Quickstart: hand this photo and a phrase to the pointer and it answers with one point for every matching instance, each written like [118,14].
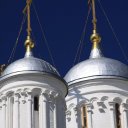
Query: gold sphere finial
[29,44]
[95,39]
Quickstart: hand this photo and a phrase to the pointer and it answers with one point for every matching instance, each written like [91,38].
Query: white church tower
[98,90]
[32,93]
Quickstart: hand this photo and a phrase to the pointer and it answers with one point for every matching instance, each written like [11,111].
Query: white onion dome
[30,63]
[96,66]
[30,70]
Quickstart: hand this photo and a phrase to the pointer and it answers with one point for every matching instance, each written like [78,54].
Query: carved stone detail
[89,107]
[124,106]
[112,105]
[68,115]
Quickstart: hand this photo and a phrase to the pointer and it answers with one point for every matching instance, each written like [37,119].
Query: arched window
[84,117]
[36,112]
[117,113]
[36,104]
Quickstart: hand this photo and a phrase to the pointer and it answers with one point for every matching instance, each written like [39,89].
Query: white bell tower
[98,90]
[32,99]
[32,93]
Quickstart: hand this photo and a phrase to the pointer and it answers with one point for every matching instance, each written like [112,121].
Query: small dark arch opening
[84,117]
[118,119]
[36,103]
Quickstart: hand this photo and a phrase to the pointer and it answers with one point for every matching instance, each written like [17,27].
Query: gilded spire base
[95,39]
[96,53]
[29,46]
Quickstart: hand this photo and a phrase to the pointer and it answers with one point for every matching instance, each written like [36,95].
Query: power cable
[113,31]
[83,35]
[17,40]
[35,42]
[80,46]
[43,33]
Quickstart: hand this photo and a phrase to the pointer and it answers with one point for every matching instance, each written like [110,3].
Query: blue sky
[63,22]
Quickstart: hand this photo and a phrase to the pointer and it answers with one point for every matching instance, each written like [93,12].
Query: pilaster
[29,109]
[112,114]
[4,105]
[89,115]
[16,112]
[43,110]
[124,114]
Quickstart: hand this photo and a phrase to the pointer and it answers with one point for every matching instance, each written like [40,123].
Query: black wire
[113,31]
[15,45]
[43,33]
[34,39]
[83,35]
[80,46]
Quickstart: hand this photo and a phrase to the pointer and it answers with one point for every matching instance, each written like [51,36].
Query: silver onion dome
[96,67]
[30,63]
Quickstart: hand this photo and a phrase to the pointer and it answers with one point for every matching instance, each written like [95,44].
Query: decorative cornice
[112,105]
[68,115]
[16,97]
[124,106]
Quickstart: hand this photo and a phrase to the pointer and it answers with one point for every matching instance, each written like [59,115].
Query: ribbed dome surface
[97,67]
[30,64]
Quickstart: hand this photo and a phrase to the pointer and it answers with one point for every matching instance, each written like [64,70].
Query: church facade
[93,94]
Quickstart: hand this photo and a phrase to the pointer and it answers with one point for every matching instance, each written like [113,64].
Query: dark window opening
[84,117]
[36,103]
[117,111]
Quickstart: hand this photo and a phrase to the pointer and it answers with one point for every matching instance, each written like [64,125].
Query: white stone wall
[99,96]
[17,103]
[19,112]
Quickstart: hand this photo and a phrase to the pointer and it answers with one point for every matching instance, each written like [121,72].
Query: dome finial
[28,43]
[95,37]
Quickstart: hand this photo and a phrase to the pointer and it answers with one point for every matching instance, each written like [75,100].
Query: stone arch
[93,99]
[72,105]
[36,91]
[27,90]
[9,93]
[83,102]
[18,91]
[125,101]
[117,100]
[104,98]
